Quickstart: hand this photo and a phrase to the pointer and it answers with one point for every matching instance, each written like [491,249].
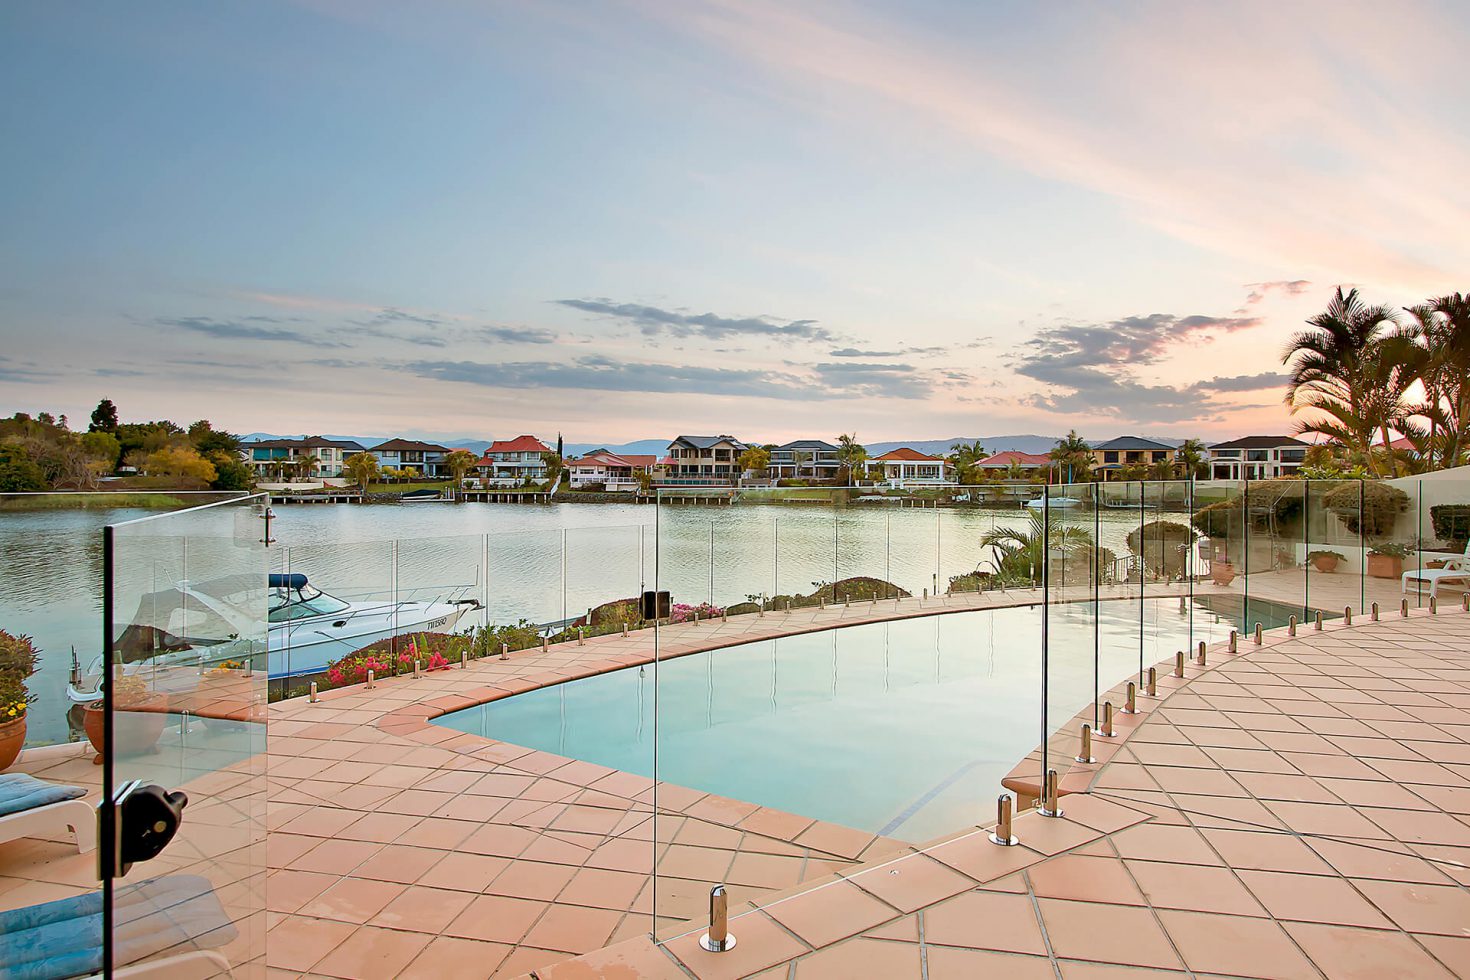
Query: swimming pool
[901,728]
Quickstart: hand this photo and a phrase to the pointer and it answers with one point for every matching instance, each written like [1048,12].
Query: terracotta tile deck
[401,848]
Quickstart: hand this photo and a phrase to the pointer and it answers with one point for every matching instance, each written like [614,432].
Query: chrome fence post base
[1085,755]
[1002,834]
[718,939]
[1152,690]
[1347,616]
[1291,626]
[1051,800]
[1373,612]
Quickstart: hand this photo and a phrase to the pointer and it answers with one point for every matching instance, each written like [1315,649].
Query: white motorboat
[200,624]
[1057,503]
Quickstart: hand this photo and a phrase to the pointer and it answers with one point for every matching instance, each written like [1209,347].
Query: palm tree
[306,465]
[1073,456]
[361,468]
[1161,469]
[851,455]
[1019,552]
[800,458]
[965,456]
[1442,326]
[554,466]
[1333,367]
[1192,457]
[459,462]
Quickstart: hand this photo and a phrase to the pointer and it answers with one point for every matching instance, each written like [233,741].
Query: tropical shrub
[1381,506]
[14,698]
[1163,547]
[1218,520]
[1451,523]
[17,656]
[682,613]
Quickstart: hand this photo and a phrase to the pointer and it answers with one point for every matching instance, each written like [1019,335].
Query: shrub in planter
[1218,520]
[1163,546]
[1387,560]
[1451,523]
[137,720]
[14,702]
[1325,561]
[17,655]
[1381,506]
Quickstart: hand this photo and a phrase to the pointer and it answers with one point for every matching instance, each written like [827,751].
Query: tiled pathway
[1299,810]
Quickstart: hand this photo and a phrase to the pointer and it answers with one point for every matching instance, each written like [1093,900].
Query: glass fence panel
[1441,566]
[527,575]
[1061,530]
[331,601]
[183,738]
[604,578]
[1335,553]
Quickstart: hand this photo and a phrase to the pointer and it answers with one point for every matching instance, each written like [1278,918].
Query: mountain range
[657,447]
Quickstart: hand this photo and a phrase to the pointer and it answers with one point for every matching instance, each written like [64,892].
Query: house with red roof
[1030,462]
[614,472]
[513,462]
[905,467]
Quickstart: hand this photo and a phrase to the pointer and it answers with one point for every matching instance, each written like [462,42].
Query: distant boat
[426,496]
[1058,503]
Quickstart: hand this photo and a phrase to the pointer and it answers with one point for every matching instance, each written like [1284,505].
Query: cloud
[854,352]
[517,335]
[653,320]
[14,371]
[1090,368]
[1243,382]
[1287,287]
[240,330]
[391,314]
[601,373]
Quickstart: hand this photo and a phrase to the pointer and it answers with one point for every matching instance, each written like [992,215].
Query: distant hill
[642,447]
[993,444]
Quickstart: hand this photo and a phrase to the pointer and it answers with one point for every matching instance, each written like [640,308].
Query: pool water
[902,728]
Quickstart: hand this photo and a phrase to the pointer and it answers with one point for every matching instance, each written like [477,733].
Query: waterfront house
[805,459]
[281,458]
[905,467]
[614,472]
[1257,458]
[701,461]
[1113,455]
[513,462]
[421,458]
[1029,463]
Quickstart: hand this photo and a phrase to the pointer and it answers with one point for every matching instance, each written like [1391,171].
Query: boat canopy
[293,581]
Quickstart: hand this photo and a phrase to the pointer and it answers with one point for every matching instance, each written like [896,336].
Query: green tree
[230,472]
[965,457]
[104,417]
[102,446]
[361,469]
[851,455]
[755,459]
[1193,460]
[180,465]
[208,440]
[460,462]
[1073,458]
[1442,327]
[555,466]
[18,472]
[1018,553]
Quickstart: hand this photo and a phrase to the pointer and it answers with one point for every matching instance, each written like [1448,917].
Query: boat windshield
[288,604]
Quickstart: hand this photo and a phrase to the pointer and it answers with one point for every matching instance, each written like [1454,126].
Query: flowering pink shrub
[353,668]
[682,613]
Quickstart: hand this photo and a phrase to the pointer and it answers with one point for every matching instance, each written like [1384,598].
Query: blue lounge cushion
[63,938]
[20,792]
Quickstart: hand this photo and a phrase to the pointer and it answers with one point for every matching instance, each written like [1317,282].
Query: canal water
[540,563]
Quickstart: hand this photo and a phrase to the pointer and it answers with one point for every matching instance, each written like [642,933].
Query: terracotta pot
[1434,564]
[1325,563]
[1222,572]
[12,737]
[136,727]
[1385,566]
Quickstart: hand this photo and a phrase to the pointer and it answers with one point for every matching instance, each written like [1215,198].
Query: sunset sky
[625,220]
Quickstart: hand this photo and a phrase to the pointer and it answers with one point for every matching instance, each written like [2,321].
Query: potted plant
[17,662]
[138,717]
[14,700]
[1387,560]
[1325,561]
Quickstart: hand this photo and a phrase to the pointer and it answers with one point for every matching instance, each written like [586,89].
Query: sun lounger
[1455,569]
[30,807]
[167,926]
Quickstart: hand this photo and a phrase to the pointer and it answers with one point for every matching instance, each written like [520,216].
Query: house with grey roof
[805,459]
[711,461]
[1257,458]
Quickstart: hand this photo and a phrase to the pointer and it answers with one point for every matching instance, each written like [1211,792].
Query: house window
[1110,456]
